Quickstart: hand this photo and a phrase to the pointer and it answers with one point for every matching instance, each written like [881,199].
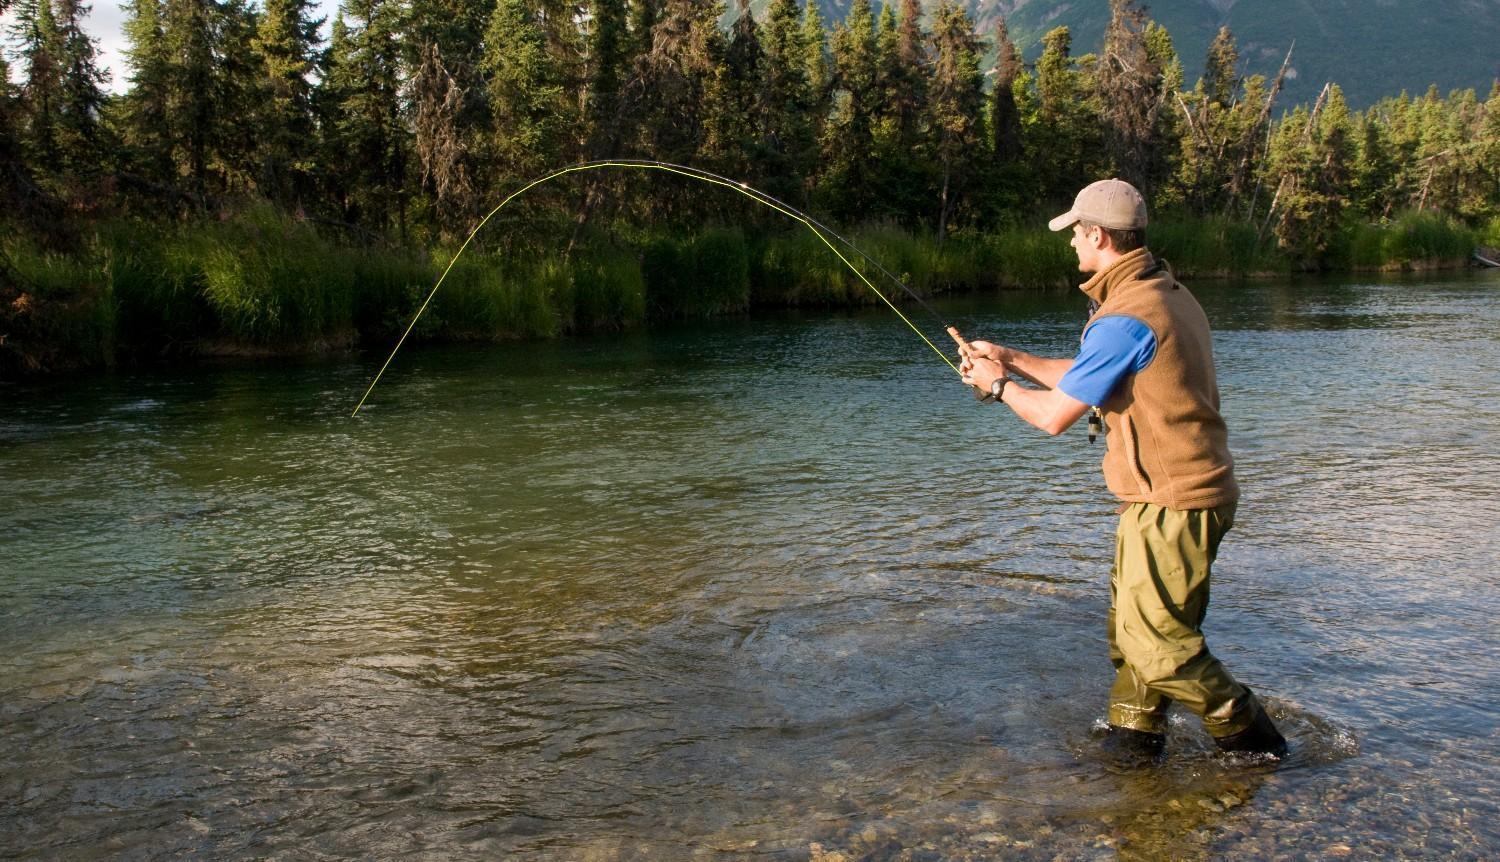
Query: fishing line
[820,230]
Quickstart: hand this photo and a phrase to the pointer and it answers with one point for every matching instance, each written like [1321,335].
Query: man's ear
[1103,243]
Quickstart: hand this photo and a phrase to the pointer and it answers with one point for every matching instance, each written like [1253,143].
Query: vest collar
[1123,270]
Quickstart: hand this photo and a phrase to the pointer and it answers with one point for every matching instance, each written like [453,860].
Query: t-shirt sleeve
[1114,347]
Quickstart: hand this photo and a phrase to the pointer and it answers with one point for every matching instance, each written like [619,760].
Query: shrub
[57,312]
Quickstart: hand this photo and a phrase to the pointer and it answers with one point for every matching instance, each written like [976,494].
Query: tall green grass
[696,276]
[271,280]
[57,312]
[1027,258]
[1214,246]
[262,279]
[1413,238]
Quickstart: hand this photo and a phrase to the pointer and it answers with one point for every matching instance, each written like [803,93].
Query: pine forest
[255,188]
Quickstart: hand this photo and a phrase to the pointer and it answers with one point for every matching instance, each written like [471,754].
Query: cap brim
[1064,221]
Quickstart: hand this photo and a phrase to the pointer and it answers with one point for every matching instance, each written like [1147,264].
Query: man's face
[1085,243]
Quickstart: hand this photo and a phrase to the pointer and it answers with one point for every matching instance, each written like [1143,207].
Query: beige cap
[1114,204]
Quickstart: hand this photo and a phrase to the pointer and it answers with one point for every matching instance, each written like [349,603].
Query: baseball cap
[1114,204]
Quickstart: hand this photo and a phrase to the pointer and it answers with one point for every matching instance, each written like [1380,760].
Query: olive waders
[1159,590]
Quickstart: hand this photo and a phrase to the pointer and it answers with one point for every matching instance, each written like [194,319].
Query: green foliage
[57,311]
[270,280]
[703,276]
[1414,238]
[1213,246]
[1028,257]
[238,136]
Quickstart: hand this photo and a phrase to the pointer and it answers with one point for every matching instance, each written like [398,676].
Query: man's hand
[981,373]
[980,350]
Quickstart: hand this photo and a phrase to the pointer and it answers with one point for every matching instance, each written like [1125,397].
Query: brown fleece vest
[1167,443]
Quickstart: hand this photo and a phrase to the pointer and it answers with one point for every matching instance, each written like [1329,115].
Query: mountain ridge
[1370,48]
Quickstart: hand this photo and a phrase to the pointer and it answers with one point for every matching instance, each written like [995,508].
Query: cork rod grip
[963,346]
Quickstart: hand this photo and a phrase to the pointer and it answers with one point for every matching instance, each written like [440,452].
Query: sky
[106,23]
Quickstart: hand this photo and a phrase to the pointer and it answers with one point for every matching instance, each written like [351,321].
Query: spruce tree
[790,144]
[40,50]
[288,44]
[238,94]
[818,70]
[1064,134]
[957,99]
[608,57]
[1130,96]
[145,125]
[1004,118]
[902,174]
[1221,82]
[1374,173]
[443,52]
[189,36]
[687,49]
[736,102]
[848,138]
[526,98]
[369,137]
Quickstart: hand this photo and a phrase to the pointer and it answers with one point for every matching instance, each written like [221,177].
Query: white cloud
[106,24]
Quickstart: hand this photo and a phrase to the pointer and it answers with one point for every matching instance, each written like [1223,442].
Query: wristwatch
[997,388]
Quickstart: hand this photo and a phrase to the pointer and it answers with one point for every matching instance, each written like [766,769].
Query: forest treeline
[250,170]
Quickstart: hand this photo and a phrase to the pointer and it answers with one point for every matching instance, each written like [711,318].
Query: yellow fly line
[680,170]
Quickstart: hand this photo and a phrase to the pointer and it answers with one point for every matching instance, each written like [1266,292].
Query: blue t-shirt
[1114,347]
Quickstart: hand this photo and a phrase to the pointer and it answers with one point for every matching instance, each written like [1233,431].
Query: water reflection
[731,590]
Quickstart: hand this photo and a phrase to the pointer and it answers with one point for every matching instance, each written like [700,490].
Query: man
[1146,364]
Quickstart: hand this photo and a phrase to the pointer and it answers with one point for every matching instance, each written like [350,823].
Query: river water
[774,588]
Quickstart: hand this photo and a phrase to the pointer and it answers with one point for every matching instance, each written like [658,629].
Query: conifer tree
[1004,118]
[287,43]
[1489,151]
[1311,156]
[789,141]
[1374,172]
[899,175]
[1130,96]
[1221,81]
[736,102]
[189,29]
[40,52]
[369,136]
[957,99]
[687,47]
[1168,127]
[848,138]
[818,70]
[145,125]
[1064,131]
[608,46]
[238,93]
[526,99]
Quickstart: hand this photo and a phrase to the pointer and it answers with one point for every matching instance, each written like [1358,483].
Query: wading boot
[1261,737]
[1132,749]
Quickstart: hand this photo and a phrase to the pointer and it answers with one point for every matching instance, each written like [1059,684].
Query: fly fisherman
[1146,364]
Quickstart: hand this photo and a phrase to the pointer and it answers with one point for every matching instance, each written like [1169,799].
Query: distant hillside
[1371,48]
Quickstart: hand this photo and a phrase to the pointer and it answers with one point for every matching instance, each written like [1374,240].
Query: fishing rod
[820,230]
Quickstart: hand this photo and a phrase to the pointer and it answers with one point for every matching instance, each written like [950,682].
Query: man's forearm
[1037,369]
[1051,410]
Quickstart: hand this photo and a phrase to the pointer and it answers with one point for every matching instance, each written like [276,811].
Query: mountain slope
[1371,48]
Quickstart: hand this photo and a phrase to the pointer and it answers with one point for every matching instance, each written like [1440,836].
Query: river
[770,588]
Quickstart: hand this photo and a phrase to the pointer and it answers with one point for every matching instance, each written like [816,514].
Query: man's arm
[1052,410]
[1038,369]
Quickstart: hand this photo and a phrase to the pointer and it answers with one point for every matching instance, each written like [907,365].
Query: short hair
[1122,241]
